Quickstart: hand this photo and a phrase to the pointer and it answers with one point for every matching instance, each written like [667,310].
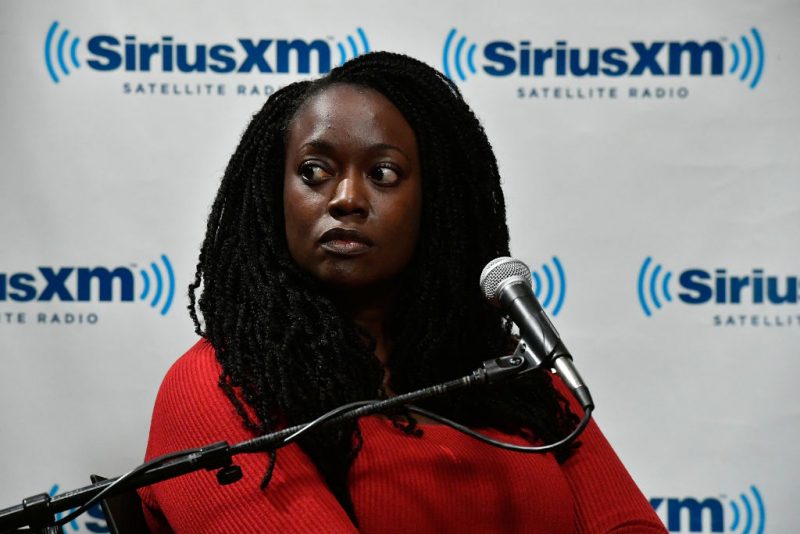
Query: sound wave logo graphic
[351,50]
[462,53]
[550,287]
[59,51]
[653,284]
[750,516]
[163,285]
[750,59]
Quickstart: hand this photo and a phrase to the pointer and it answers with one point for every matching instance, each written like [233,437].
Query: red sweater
[442,481]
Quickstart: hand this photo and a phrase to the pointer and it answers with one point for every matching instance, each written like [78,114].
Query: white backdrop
[694,165]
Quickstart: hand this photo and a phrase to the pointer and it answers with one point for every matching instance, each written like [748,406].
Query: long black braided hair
[285,348]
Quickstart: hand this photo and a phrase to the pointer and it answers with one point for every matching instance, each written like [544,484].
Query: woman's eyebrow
[387,146]
[327,146]
[319,144]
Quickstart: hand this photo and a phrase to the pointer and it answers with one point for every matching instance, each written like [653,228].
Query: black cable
[323,418]
[361,408]
[501,444]
[456,426]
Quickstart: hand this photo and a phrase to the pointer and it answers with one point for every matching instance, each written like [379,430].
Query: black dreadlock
[281,341]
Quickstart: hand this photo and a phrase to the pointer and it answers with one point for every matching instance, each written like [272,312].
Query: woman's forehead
[350,114]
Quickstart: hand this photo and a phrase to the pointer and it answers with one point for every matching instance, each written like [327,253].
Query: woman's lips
[345,242]
[345,248]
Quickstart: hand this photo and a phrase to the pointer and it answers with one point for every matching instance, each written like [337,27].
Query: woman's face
[352,192]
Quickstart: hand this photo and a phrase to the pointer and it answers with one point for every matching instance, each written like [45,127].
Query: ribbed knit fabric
[442,481]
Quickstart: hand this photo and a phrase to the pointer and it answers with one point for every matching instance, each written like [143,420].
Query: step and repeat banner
[651,162]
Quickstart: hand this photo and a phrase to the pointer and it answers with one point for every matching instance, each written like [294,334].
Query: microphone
[506,284]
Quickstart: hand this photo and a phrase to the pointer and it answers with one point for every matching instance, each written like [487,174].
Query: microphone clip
[520,361]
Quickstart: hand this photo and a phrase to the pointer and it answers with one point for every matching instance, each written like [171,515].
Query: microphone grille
[500,270]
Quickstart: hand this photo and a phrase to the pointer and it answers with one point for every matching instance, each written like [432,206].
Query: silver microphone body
[506,283]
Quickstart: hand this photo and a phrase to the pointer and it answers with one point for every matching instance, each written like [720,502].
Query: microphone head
[500,272]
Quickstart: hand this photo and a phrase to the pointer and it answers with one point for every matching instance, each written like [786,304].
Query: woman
[341,263]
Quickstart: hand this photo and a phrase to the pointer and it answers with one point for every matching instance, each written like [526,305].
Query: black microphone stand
[37,512]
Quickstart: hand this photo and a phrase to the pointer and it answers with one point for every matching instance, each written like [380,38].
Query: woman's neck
[369,309]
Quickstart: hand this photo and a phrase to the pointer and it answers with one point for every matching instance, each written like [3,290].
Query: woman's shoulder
[196,369]
[191,408]
[195,365]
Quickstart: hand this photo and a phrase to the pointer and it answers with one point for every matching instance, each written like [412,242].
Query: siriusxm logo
[656,58]
[105,52]
[654,287]
[550,286]
[92,284]
[745,515]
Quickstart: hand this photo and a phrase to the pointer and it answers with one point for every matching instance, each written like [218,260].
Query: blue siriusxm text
[657,58]
[720,287]
[68,284]
[109,53]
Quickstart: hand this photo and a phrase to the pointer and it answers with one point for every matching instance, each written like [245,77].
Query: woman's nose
[349,197]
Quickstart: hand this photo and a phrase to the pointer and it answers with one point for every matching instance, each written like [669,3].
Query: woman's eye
[385,175]
[313,173]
